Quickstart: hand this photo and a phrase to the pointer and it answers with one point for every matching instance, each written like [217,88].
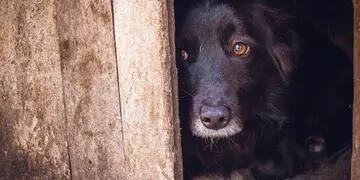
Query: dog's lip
[217,135]
[199,130]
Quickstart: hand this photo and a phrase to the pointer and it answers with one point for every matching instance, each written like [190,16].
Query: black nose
[214,117]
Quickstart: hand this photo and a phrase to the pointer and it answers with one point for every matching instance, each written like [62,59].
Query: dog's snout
[215,117]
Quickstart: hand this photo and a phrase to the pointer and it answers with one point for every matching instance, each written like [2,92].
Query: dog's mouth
[232,128]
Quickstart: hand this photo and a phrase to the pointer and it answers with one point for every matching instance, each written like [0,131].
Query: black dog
[253,88]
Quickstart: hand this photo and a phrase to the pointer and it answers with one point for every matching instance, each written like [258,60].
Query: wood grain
[355,170]
[91,94]
[33,142]
[144,32]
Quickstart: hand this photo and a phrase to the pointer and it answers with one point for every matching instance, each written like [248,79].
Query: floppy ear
[283,55]
[279,37]
[281,40]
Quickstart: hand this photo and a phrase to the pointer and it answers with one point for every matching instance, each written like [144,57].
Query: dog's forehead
[205,21]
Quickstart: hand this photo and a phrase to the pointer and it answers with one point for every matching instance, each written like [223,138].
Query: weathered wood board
[88,63]
[355,169]
[147,77]
[33,142]
[59,98]
[60,114]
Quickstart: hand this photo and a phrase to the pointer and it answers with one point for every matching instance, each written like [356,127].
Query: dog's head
[230,55]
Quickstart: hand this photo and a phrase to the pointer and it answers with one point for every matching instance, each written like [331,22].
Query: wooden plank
[355,170]
[144,32]
[91,93]
[178,167]
[32,123]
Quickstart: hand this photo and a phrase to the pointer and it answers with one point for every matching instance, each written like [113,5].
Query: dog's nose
[214,117]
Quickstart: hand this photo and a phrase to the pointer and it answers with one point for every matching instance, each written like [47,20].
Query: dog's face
[227,58]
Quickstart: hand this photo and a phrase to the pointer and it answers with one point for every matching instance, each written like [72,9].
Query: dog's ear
[280,38]
[283,52]
[281,41]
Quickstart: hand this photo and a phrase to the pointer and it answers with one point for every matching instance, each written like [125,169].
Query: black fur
[293,85]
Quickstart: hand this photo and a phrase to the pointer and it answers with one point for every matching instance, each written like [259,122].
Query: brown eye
[240,49]
[184,55]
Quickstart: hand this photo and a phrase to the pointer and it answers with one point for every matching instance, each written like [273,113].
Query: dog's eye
[240,49]
[184,55]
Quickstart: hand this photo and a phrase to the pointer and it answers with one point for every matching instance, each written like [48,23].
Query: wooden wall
[33,132]
[147,79]
[355,170]
[62,86]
